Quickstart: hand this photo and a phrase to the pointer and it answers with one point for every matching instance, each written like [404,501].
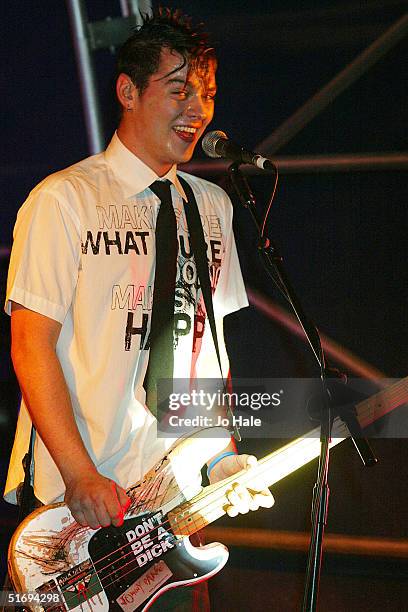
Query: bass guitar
[60,565]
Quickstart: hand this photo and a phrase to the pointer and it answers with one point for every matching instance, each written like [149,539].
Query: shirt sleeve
[230,294]
[45,257]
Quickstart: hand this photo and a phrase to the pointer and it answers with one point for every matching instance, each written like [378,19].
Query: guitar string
[195,507]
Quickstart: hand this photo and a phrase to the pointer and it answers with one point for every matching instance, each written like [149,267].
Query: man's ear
[125,91]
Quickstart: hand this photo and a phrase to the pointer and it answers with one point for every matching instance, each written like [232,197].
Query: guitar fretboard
[210,504]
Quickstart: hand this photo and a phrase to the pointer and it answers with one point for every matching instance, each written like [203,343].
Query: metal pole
[337,352]
[337,85]
[93,120]
[124,8]
[136,8]
[344,162]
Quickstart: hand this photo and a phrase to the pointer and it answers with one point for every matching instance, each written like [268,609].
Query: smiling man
[82,287]
[164,119]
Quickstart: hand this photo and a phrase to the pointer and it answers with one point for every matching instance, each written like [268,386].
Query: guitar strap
[199,248]
[25,492]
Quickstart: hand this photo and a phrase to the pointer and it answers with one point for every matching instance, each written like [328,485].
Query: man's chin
[181,157]
[186,157]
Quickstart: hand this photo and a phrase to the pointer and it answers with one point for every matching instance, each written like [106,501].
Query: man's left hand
[242,498]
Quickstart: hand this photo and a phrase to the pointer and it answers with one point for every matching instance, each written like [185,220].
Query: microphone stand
[273,263]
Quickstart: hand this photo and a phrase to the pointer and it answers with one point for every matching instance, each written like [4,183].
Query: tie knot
[162,190]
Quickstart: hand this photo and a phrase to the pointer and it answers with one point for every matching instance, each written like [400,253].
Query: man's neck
[130,143]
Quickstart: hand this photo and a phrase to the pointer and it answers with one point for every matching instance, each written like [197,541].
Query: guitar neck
[209,505]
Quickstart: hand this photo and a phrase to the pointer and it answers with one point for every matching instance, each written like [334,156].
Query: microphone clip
[241,186]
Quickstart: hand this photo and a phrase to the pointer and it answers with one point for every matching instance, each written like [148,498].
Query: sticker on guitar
[80,584]
[143,546]
[144,587]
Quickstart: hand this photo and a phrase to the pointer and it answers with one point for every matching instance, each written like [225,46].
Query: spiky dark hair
[139,57]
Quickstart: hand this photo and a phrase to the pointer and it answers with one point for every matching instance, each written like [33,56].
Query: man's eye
[182,94]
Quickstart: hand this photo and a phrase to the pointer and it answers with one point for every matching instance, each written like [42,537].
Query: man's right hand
[96,501]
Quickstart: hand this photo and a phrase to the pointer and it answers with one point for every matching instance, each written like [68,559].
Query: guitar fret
[190,524]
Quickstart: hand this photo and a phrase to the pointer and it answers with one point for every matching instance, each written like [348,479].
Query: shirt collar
[134,175]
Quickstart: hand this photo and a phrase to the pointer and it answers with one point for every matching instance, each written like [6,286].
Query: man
[81,283]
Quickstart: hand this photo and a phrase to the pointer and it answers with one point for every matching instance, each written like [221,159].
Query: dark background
[343,237]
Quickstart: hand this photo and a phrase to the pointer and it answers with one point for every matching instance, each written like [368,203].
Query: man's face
[172,113]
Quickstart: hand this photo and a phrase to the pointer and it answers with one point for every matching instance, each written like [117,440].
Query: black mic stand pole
[274,264]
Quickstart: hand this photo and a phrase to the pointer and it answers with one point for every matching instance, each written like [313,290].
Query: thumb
[250,461]
[235,463]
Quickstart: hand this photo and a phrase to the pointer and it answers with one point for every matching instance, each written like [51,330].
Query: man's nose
[196,108]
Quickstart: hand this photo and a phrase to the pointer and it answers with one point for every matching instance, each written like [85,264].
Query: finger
[121,505]
[79,516]
[77,512]
[239,497]
[264,499]
[124,502]
[111,503]
[118,520]
[91,518]
[102,515]
[253,504]
[248,500]
[231,511]
[258,482]
[239,494]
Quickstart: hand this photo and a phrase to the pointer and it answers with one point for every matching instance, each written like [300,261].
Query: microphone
[217,144]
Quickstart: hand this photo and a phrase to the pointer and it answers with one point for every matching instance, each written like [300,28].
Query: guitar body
[120,568]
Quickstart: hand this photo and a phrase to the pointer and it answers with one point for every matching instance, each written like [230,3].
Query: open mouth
[185,132]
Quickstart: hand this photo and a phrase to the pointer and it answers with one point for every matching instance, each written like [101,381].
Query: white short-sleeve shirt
[84,255]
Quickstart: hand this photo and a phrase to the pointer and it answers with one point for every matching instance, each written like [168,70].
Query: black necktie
[161,358]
